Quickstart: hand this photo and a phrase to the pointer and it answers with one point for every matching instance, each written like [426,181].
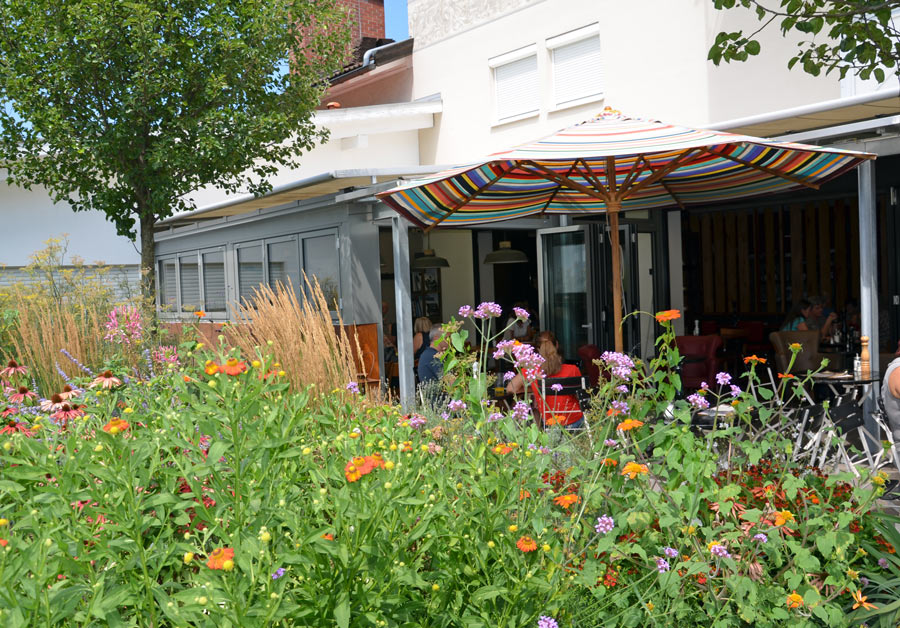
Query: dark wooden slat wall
[761,261]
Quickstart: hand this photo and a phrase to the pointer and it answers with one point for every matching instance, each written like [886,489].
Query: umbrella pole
[612,209]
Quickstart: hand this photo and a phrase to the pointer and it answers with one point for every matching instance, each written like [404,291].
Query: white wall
[29,218]
[654,61]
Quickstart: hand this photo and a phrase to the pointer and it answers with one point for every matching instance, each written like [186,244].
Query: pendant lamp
[429,259]
[505,254]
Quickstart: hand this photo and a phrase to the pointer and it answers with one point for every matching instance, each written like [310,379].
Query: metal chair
[549,404]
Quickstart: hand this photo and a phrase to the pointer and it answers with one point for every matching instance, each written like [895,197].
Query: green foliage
[848,36]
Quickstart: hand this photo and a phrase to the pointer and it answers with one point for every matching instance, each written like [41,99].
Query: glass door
[565,294]
[630,295]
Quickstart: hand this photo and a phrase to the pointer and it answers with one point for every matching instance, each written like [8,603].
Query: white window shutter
[214,281]
[516,88]
[577,71]
[189,273]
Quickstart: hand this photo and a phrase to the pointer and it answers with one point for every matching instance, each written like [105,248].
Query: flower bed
[214,495]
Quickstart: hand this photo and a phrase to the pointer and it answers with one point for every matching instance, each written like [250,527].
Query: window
[168,294]
[284,264]
[250,270]
[189,280]
[214,281]
[576,66]
[321,262]
[516,88]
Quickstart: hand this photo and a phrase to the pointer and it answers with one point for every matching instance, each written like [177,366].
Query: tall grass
[302,335]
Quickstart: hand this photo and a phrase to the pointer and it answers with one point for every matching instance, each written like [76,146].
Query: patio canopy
[614,163]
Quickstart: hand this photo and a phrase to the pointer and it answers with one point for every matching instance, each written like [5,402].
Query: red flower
[233,366]
[526,544]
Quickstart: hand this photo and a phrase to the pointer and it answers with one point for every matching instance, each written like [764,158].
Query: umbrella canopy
[614,163]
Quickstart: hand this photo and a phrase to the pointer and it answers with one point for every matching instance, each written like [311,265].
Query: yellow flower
[879,478]
[795,346]
[128,410]
[794,600]
[852,574]
[513,527]
[861,601]
[188,557]
[4,523]
[265,537]
[650,606]
[228,565]
[545,547]
[255,364]
[490,544]
[633,469]
[435,587]
[782,517]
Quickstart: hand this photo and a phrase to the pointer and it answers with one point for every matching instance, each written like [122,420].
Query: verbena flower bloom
[494,416]
[604,525]
[883,563]
[521,411]
[508,375]
[352,387]
[278,573]
[762,538]
[698,401]
[521,313]
[735,390]
[704,386]
[620,364]
[417,420]
[488,309]
[465,311]
[547,622]
[456,405]
[556,387]
[671,552]
[622,388]
[621,406]
[609,442]
[662,565]
[723,379]
[717,549]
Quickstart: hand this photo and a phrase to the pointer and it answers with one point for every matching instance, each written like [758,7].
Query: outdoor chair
[589,353]
[700,359]
[571,386]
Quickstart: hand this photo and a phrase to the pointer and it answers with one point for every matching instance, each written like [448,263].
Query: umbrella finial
[609,112]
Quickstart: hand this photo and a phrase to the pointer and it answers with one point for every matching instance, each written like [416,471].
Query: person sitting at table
[518,329]
[430,367]
[564,406]
[421,327]
[803,318]
[890,395]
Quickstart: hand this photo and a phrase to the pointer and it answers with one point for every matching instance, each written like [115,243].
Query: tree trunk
[148,267]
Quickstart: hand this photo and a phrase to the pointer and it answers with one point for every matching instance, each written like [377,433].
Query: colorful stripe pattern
[511,184]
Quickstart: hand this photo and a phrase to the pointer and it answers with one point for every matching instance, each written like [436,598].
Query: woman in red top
[555,409]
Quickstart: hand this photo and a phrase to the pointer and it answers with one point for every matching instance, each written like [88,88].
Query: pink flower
[21,394]
[106,380]
[13,368]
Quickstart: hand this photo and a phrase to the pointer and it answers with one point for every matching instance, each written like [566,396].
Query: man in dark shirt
[430,367]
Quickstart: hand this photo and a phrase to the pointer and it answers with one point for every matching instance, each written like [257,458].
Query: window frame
[504,60]
[568,39]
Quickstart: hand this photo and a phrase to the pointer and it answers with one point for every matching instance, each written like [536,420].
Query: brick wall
[367,17]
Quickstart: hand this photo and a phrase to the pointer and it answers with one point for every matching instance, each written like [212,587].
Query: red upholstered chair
[755,343]
[587,354]
[700,361]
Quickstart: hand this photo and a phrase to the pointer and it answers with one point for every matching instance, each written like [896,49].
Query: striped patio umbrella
[614,163]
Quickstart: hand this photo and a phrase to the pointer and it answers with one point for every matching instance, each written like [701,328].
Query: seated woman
[802,318]
[556,409]
[421,327]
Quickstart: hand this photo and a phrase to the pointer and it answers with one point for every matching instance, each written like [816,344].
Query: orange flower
[115,426]
[187,380]
[523,494]
[406,445]
[556,419]
[219,556]
[526,544]
[613,412]
[502,449]
[861,601]
[211,367]
[785,376]
[795,346]
[794,600]
[328,536]
[782,517]
[567,500]
[632,469]
[629,424]
[199,313]
[376,461]
[352,472]
[754,358]
[610,462]
[233,367]
[668,315]
[3,542]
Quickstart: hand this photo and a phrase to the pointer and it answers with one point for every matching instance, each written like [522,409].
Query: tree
[851,36]
[129,106]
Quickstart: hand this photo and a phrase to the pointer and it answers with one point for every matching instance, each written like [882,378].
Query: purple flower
[717,549]
[864,581]
[704,386]
[622,388]
[494,416]
[671,552]
[521,313]
[662,565]
[547,622]
[735,390]
[762,538]
[457,405]
[508,375]
[883,563]
[417,420]
[556,387]
[621,406]
[620,364]
[698,401]
[278,573]
[521,411]
[610,442]
[465,311]
[488,309]
[352,387]
[544,450]
[605,524]
[723,379]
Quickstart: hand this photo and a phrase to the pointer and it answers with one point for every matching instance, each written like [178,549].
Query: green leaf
[753,47]
[342,611]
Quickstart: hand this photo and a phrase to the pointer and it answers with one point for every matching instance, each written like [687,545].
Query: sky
[395,26]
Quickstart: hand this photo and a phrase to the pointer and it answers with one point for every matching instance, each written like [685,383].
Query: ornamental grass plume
[303,337]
